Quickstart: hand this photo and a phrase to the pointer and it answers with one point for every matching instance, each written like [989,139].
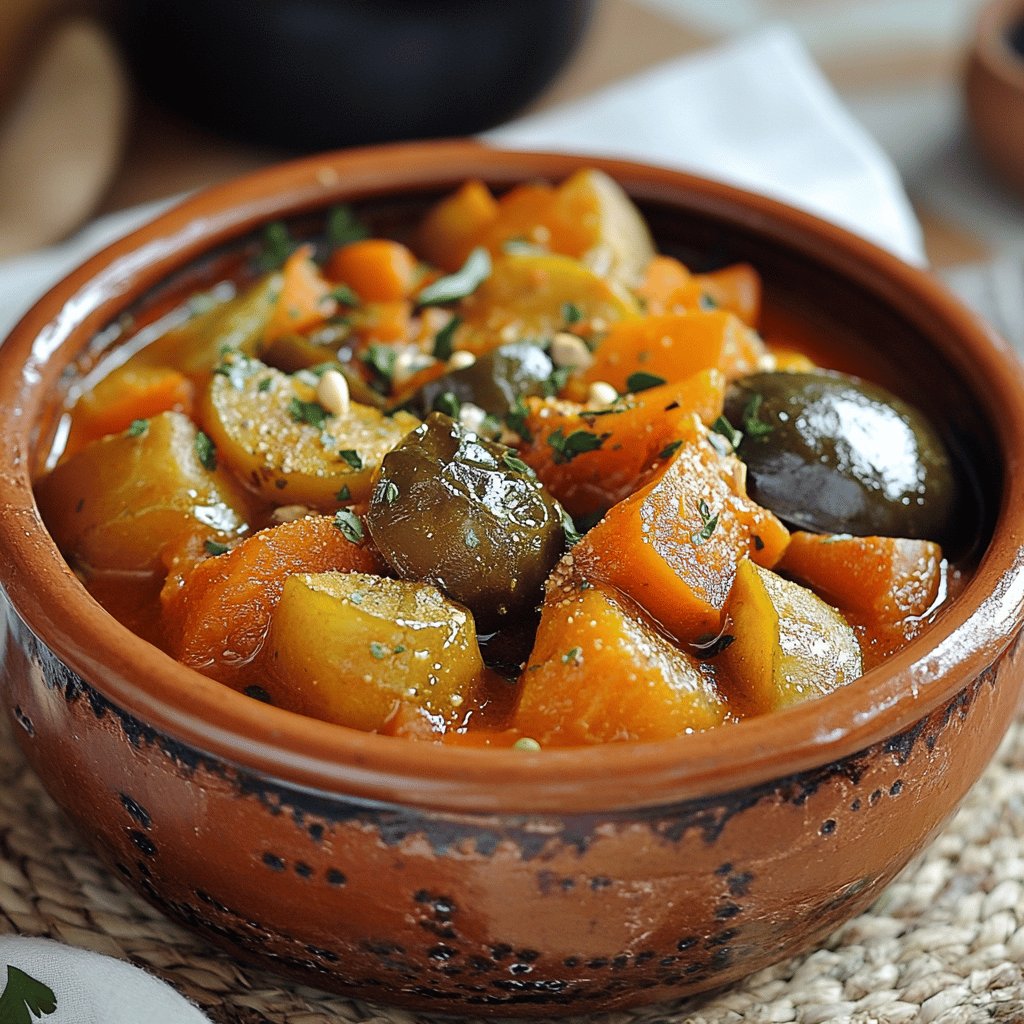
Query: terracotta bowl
[994,88]
[504,882]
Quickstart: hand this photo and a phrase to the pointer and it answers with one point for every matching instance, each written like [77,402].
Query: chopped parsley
[138,428]
[641,381]
[723,428]
[566,448]
[753,425]
[24,998]
[379,650]
[516,464]
[515,419]
[670,449]
[214,547]
[206,451]
[312,413]
[572,535]
[343,227]
[389,492]
[345,296]
[571,313]
[447,403]
[708,523]
[554,384]
[381,361]
[265,384]
[573,656]
[348,522]
[463,282]
[277,246]
[444,340]
[353,458]
[257,693]
[344,494]
[706,301]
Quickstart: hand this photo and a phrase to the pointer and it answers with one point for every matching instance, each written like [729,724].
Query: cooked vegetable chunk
[272,430]
[351,648]
[467,515]
[600,673]
[673,545]
[788,645]
[833,454]
[883,585]
[216,615]
[526,297]
[121,501]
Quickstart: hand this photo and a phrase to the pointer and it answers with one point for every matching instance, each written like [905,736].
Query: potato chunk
[352,649]
[121,501]
[270,429]
[788,645]
[599,673]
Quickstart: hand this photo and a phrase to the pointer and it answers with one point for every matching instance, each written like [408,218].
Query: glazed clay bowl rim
[150,686]
[992,47]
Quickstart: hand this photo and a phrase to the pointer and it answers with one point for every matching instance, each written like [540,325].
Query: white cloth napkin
[756,113]
[87,988]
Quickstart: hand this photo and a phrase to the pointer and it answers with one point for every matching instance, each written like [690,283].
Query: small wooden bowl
[995,89]
[499,881]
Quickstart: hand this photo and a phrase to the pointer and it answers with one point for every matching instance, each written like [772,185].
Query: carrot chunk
[304,301]
[376,269]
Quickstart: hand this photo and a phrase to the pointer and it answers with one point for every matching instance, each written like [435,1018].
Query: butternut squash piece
[885,586]
[673,546]
[788,645]
[673,346]
[453,227]
[376,269]
[217,612]
[352,649]
[121,501]
[526,297]
[630,437]
[305,299]
[599,673]
[132,392]
[271,430]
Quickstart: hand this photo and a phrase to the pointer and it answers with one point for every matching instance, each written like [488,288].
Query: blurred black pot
[319,74]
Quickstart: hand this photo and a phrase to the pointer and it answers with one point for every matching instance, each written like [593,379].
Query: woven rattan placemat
[943,945]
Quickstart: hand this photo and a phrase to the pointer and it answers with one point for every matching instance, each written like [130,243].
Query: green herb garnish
[463,282]
[670,449]
[516,464]
[344,295]
[344,494]
[753,425]
[265,384]
[352,457]
[381,361]
[572,656]
[278,245]
[378,650]
[723,428]
[447,403]
[389,492]
[708,523]
[206,451]
[443,340]
[343,227]
[515,419]
[138,428]
[348,522]
[571,313]
[641,381]
[554,384]
[566,448]
[312,413]
[214,547]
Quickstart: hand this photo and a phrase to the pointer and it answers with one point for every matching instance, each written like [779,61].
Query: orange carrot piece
[673,346]
[599,673]
[304,301]
[377,269]
[216,615]
[454,226]
[383,321]
[673,546]
[634,434]
[132,392]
